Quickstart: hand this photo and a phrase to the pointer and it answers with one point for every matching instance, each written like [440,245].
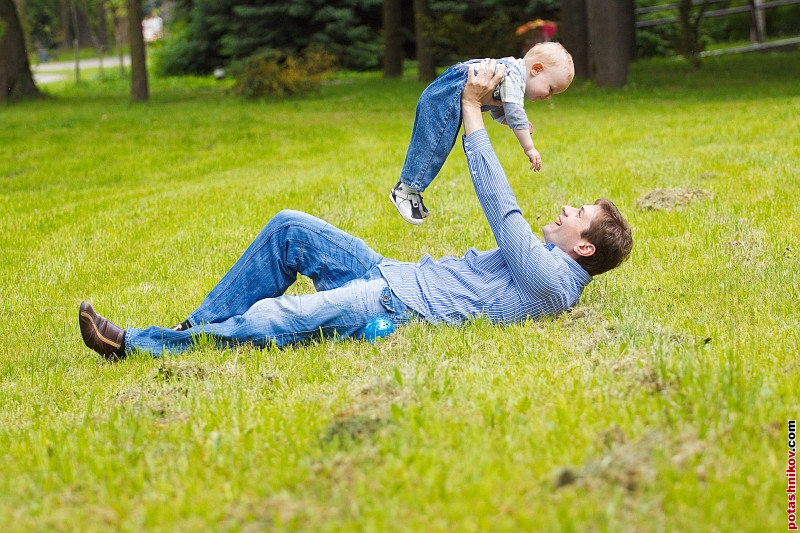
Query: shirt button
[385,299]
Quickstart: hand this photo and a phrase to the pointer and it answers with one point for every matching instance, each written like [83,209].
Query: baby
[546,69]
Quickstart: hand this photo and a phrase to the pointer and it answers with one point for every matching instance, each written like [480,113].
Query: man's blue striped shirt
[521,278]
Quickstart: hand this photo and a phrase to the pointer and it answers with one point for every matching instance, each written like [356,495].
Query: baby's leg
[436,125]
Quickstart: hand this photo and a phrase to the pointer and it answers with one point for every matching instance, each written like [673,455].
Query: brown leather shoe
[101,335]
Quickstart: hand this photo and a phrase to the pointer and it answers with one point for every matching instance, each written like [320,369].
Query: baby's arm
[524,138]
[517,120]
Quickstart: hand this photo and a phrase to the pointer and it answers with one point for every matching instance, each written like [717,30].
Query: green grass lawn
[659,403]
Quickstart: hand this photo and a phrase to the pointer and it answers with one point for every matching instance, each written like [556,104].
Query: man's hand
[481,83]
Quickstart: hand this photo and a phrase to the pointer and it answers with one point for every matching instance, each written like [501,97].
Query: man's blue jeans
[436,126]
[248,305]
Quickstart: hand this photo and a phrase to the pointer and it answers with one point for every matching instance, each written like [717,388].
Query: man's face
[565,231]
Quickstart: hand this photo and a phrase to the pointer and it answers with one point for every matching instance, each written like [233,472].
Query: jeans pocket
[398,311]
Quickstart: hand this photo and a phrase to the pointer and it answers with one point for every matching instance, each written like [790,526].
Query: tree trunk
[76,45]
[102,26]
[611,34]
[73,20]
[16,80]
[574,34]
[64,36]
[690,31]
[139,88]
[425,63]
[84,26]
[392,43]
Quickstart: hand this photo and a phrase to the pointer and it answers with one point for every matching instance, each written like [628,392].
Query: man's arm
[533,267]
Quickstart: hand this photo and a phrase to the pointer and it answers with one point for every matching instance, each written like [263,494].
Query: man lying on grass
[521,278]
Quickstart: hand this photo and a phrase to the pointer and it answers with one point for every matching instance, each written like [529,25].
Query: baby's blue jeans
[436,126]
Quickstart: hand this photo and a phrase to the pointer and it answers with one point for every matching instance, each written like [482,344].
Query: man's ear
[584,249]
[536,68]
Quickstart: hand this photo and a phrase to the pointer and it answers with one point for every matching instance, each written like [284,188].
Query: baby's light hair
[552,54]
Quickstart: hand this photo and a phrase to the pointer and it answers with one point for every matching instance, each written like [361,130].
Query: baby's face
[544,82]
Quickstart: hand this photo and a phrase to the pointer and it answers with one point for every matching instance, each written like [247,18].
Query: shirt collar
[584,278]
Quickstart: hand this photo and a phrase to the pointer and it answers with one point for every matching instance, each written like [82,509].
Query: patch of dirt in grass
[176,370]
[747,247]
[160,397]
[180,370]
[280,510]
[369,411]
[173,380]
[638,371]
[590,329]
[685,339]
[157,401]
[170,370]
[356,427]
[775,429]
[672,198]
[630,464]
[58,512]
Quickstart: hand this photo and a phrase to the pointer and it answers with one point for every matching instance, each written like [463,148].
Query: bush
[783,21]
[366,55]
[273,74]
[180,54]
[652,44]
[454,38]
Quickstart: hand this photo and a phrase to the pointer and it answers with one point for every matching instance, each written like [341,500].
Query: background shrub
[272,74]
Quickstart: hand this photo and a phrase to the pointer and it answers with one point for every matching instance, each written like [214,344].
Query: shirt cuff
[477,141]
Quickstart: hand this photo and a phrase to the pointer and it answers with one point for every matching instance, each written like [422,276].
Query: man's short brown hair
[612,239]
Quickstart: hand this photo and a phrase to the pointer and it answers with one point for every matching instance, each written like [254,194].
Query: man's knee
[297,223]
[287,216]
[291,218]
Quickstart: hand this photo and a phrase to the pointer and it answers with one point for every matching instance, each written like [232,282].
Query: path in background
[46,72]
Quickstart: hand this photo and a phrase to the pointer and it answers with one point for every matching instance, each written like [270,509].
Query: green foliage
[479,11]
[217,32]
[179,55]
[39,20]
[653,43]
[273,75]
[658,404]
[214,32]
[456,39]
[665,40]
[784,21]
[192,45]
[462,30]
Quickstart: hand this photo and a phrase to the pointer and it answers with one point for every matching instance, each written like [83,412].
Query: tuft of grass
[659,403]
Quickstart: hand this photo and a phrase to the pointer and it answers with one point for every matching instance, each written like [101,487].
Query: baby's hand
[534,158]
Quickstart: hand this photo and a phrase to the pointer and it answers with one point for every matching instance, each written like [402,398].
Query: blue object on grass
[378,328]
